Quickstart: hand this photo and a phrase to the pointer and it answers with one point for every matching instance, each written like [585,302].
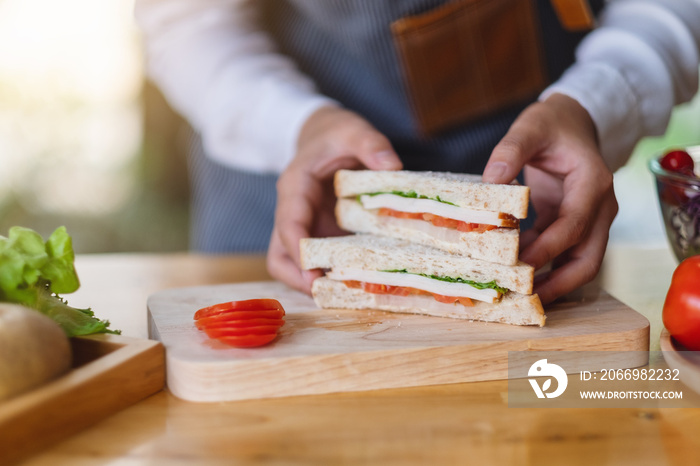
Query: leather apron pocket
[469,59]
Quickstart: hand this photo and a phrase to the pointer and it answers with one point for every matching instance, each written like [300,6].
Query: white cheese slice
[458,290]
[429,206]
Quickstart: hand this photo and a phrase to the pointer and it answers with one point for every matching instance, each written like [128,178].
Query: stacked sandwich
[440,244]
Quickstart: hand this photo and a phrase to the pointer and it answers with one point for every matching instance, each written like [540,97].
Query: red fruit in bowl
[673,195]
[678,161]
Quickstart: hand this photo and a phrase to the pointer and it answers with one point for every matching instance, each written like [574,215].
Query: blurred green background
[87,142]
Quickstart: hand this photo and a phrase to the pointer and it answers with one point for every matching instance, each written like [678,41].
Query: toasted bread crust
[461,189]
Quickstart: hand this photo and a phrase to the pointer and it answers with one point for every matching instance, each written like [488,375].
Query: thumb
[376,153]
[509,156]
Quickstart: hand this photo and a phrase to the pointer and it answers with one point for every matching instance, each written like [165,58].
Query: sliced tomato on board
[243,324]
[245,305]
[248,341]
[240,323]
[242,316]
[218,332]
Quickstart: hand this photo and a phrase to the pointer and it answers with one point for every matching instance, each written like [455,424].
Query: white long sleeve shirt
[225,76]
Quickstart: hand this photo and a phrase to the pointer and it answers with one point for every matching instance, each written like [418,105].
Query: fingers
[582,262]
[545,198]
[364,146]
[376,153]
[283,268]
[528,237]
[298,197]
[555,142]
[583,194]
[332,139]
[513,151]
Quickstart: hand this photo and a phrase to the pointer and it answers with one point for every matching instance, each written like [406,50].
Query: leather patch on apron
[468,59]
[574,15]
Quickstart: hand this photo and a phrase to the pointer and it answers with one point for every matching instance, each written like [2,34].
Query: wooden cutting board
[333,350]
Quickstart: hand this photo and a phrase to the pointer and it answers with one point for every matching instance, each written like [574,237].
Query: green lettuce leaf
[479,285]
[409,194]
[33,272]
[59,271]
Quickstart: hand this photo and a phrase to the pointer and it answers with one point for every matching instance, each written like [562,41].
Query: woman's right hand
[331,139]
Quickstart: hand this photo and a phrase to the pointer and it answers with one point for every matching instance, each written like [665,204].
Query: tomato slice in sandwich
[439,221]
[376,288]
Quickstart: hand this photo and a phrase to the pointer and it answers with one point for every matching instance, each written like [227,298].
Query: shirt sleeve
[223,74]
[631,70]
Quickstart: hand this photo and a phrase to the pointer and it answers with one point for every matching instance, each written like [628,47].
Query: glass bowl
[679,199]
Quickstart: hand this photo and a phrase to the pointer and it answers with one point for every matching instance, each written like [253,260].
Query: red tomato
[673,195]
[398,214]
[443,222]
[405,291]
[237,323]
[239,315]
[451,300]
[465,302]
[678,161]
[477,227]
[681,312]
[248,341]
[245,305]
[438,221]
[244,324]
[385,289]
[214,332]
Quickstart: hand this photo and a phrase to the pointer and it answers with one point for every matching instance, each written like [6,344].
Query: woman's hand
[571,189]
[331,139]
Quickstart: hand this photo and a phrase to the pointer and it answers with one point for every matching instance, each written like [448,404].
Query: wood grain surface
[463,423]
[336,350]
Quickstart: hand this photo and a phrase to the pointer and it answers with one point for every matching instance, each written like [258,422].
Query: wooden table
[451,424]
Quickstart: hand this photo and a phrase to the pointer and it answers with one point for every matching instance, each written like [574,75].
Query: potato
[33,350]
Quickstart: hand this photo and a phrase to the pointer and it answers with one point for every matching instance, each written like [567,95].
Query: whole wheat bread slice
[514,308]
[500,245]
[461,189]
[372,252]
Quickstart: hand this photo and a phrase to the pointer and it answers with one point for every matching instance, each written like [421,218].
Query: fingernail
[385,159]
[495,171]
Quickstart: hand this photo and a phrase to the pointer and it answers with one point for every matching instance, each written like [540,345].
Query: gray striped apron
[347,48]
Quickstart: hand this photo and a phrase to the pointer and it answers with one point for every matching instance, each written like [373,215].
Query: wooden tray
[110,373]
[329,350]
